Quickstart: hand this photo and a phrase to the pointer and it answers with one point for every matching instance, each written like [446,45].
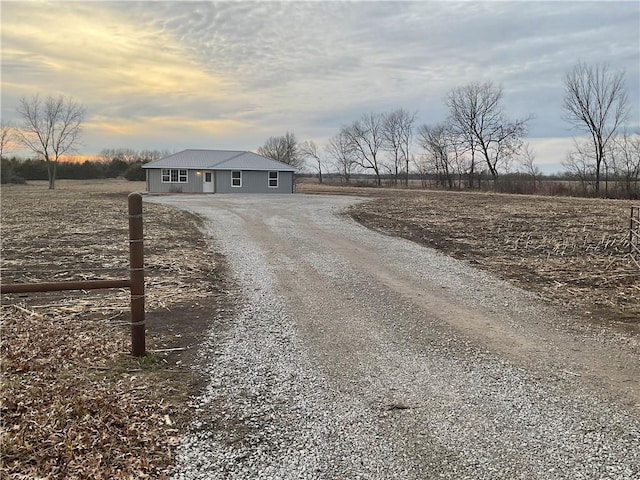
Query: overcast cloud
[175,75]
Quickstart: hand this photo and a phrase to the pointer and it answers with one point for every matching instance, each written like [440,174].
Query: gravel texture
[352,354]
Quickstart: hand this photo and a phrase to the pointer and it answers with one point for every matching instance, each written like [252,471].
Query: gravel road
[352,354]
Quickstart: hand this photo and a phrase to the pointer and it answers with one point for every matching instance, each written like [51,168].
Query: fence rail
[135,282]
[66,285]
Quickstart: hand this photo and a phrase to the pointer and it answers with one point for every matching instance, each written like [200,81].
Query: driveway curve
[352,354]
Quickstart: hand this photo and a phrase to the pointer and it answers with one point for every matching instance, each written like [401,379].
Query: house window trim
[182,175]
[269,178]
[238,178]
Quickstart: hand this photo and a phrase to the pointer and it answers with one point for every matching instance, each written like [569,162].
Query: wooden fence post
[136,265]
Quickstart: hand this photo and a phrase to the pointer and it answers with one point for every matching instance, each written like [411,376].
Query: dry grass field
[75,404]
[572,251]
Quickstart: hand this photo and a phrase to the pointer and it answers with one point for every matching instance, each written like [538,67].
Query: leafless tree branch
[366,139]
[477,117]
[50,128]
[596,103]
[284,149]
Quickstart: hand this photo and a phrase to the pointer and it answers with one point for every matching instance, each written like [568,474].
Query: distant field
[573,251]
[519,184]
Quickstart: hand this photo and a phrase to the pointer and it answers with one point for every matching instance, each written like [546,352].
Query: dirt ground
[572,251]
[75,404]
[341,325]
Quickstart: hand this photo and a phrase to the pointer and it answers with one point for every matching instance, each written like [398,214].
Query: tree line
[479,141]
[111,163]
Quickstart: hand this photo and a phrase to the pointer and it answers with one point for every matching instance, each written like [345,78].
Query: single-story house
[218,171]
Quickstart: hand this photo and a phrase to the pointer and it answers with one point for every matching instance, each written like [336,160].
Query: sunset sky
[228,75]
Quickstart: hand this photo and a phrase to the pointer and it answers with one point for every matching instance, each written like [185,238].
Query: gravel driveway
[352,354]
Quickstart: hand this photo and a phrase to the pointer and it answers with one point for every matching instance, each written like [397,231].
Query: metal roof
[219,160]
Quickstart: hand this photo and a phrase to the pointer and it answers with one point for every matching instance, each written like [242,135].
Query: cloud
[551,152]
[163,126]
[97,54]
[243,71]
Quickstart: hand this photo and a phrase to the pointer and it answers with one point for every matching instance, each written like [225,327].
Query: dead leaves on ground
[74,403]
[64,418]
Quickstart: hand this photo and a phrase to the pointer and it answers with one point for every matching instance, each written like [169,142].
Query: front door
[207,182]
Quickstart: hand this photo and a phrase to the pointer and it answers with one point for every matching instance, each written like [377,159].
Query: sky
[228,75]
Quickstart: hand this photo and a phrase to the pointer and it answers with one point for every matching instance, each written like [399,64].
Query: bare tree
[309,150]
[424,167]
[397,130]
[580,163]
[461,104]
[477,117]
[6,136]
[284,149]
[436,141]
[126,155]
[341,150]
[459,161]
[50,128]
[129,155]
[625,160]
[527,162]
[366,138]
[595,102]
[152,155]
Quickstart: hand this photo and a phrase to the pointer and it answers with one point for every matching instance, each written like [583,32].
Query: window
[174,176]
[236,179]
[273,179]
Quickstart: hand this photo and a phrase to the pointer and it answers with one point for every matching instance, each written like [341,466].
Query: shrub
[8,173]
[135,172]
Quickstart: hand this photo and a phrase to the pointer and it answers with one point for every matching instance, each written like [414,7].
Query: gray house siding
[156,185]
[185,172]
[254,182]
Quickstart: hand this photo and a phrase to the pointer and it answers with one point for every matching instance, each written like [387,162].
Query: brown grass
[75,404]
[573,251]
